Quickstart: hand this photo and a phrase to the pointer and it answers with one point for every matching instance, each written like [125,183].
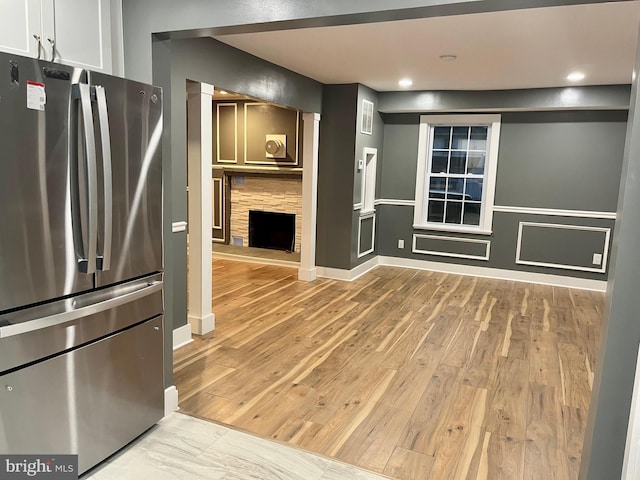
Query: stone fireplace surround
[272,194]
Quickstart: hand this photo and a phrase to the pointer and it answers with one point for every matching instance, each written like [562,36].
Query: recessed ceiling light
[448,57]
[405,82]
[575,76]
[222,92]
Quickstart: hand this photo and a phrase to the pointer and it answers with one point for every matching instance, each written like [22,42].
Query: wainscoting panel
[451,246]
[567,247]
[366,234]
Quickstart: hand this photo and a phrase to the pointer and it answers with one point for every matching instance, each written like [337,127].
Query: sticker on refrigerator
[36,96]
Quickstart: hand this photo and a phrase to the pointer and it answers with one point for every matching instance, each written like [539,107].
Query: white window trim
[428,121]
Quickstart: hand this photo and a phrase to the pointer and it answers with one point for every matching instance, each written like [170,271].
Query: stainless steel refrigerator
[81,305]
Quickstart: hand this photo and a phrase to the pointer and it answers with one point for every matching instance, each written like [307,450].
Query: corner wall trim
[182,336]
[555,212]
[170,400]
[201,326]
[307,274]
[348,275]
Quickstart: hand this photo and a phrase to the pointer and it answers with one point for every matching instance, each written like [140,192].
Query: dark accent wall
[568,160]
[612,394]
[569,98]
[260,119]
[557,160]
[364,140]
[206,60]
[335,176]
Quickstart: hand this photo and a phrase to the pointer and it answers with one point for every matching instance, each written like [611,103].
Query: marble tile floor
[182,447]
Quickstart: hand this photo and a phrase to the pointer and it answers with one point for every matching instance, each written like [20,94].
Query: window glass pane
[458,162]
[435,211]
[441,137]
[460,138]
[437,187]
[439,162]
[455,188]
[454,212]
[471,213]
[478,138]
[473,189]
[475,163]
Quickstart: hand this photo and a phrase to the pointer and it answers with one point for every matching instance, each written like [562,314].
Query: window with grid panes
[456,172]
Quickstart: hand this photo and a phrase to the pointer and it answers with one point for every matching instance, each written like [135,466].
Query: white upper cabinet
[21,27]
[73,32]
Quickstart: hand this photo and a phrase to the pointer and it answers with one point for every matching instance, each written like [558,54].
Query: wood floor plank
[414,374]
[507,411]
[482,367]
[574,421]
[544,359]
[500,458]
[544,449]
[430,414]
[375,439]
[408,465]
[462,434]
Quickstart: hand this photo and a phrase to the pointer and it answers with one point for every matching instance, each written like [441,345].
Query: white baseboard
[459,269]
[348,275]
[307,274]
[200,326]
[262,261]
[170,400]
[499,274]
[182,336]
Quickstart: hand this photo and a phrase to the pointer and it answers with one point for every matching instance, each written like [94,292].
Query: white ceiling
[503,50]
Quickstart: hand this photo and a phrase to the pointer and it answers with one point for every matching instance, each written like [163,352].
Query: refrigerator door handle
[59,318]
[87,260]
[104,260]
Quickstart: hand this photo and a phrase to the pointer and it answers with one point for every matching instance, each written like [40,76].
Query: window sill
[452,228]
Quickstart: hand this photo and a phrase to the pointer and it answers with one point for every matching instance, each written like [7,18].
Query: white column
[311,134]
[199,158]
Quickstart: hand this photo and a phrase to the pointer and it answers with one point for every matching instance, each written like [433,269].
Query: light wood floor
[413,374]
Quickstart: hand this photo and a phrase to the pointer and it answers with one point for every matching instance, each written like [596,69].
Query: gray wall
[568,160]
[142,18]
[605,439]
[259,120]
[336,176]
[364,140]
[558,160]
[175,62]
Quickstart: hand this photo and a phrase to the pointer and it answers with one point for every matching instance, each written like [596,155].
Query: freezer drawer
[91,401]
[39,332]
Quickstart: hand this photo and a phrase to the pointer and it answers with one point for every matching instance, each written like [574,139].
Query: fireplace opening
[272,230]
